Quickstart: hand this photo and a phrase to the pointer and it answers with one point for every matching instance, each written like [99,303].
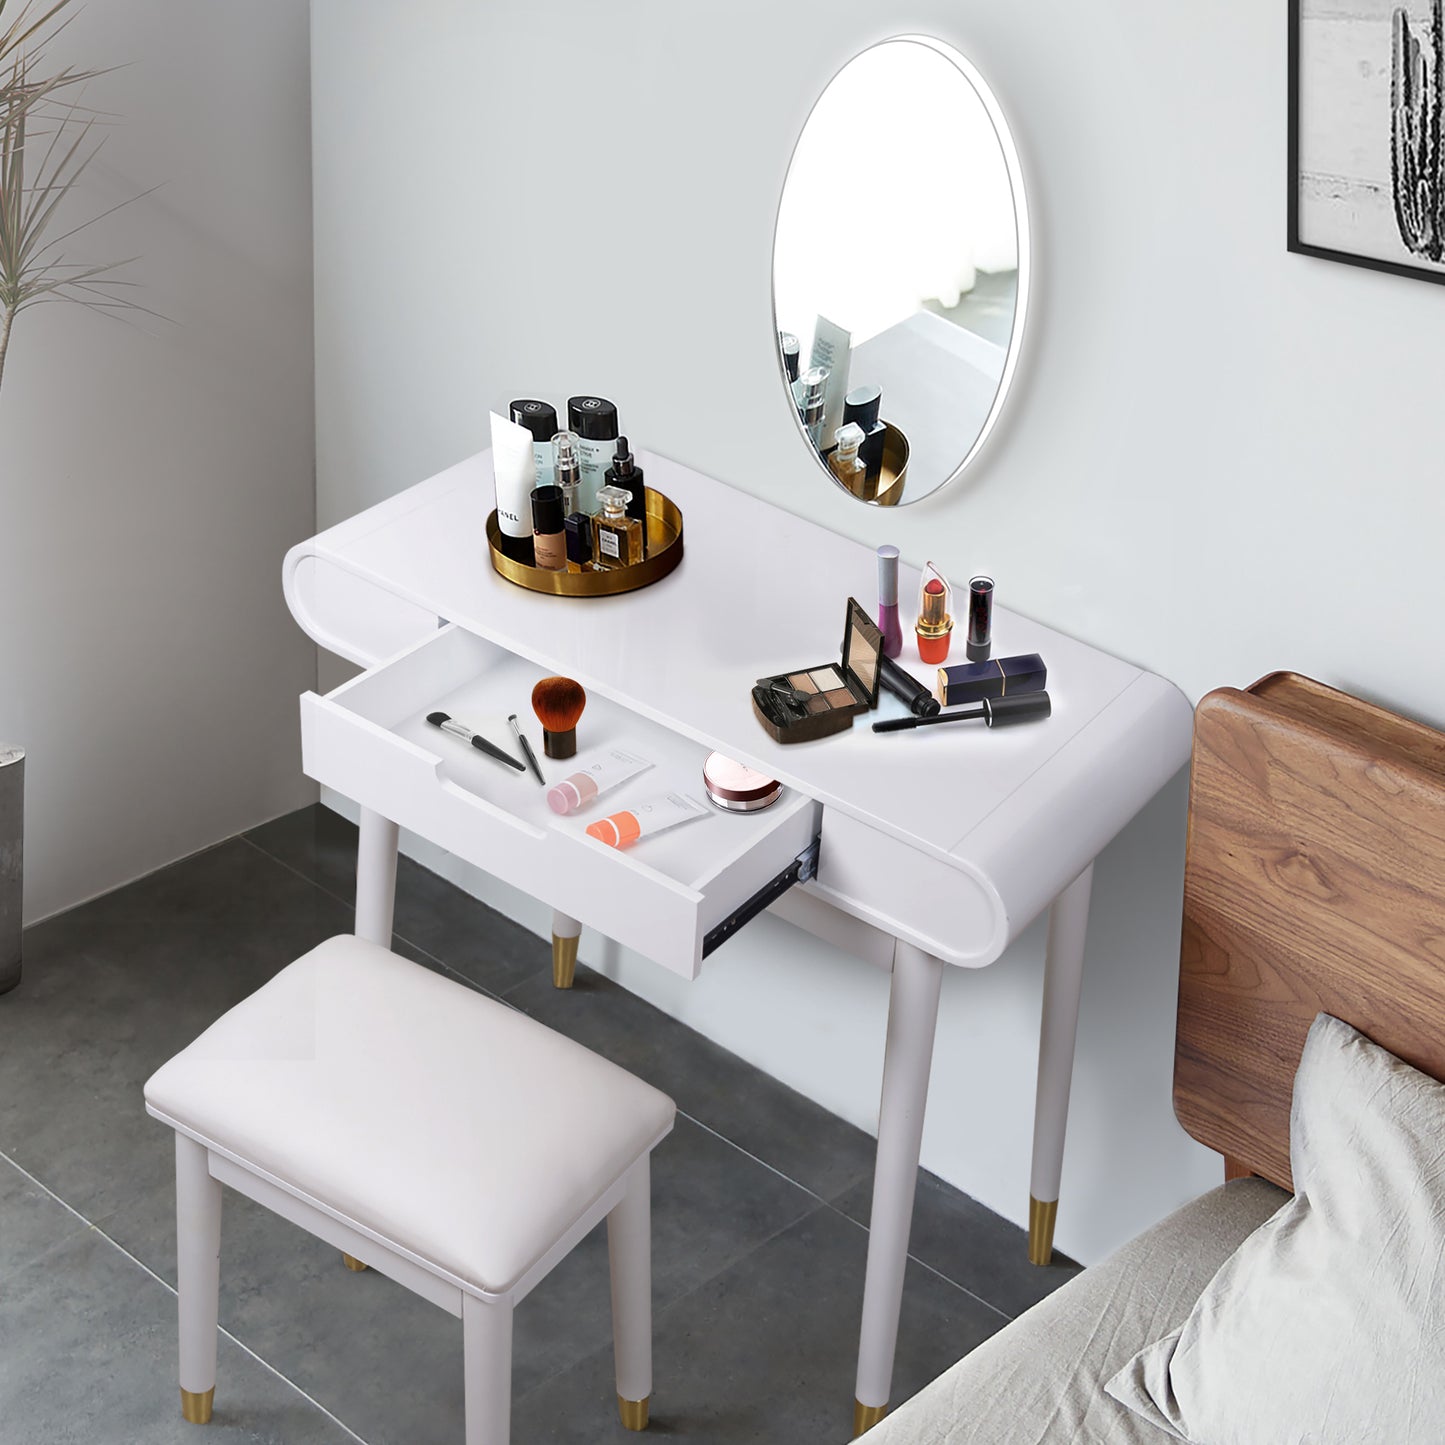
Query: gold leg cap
[564,966]
[352,1263]
[196,1405]
[865,1417]
[633,1412]
[1041,1229]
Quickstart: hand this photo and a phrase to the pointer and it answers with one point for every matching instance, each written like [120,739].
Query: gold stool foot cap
[1041,1229]
[352,1263]
[196,1405]
[865,1417]
[633,1412]
[564,964]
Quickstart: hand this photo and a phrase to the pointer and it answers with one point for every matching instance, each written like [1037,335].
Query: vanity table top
[761,591]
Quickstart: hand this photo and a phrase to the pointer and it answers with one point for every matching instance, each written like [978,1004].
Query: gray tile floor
[760,1202]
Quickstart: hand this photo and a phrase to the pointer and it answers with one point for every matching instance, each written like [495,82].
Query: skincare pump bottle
[568,470]
[843,460]
[515,469]
[540,418]
[626,476]
[619,537]
[594,419]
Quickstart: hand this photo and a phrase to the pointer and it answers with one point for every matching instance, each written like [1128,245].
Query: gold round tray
[887,490]
[664,552]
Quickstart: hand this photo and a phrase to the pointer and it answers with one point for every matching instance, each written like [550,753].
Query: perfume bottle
[619,537]
[844,461]
[809,391]
[626,476]
[568,467]
[579,542]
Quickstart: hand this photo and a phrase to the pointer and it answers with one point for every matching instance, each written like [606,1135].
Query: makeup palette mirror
[900,270]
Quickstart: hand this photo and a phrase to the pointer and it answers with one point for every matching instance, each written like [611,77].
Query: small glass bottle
[549,542]
[619,537]
[567,468]
[844,461]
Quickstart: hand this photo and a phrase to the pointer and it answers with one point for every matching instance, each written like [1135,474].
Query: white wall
[153,475]
[1220,459]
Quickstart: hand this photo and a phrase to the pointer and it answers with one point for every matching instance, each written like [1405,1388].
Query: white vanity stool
[440,1137]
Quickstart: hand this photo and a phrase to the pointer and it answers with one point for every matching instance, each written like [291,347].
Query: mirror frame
[1014,167]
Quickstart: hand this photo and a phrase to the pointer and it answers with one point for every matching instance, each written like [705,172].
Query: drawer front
[370,741]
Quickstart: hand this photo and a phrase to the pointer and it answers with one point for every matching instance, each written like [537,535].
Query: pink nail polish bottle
[888,623]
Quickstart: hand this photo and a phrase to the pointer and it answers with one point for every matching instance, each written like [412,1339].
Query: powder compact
[815,702]
[736,788]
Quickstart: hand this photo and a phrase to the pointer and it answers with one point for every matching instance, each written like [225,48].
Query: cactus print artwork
[1367,140]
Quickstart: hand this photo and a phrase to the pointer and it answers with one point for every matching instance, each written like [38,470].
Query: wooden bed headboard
[1315,882]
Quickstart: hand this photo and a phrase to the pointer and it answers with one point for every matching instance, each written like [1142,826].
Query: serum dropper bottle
[626,476]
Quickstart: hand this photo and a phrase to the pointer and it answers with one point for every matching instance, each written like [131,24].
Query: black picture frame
[1294,243]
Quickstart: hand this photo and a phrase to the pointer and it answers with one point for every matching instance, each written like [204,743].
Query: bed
[1314,883]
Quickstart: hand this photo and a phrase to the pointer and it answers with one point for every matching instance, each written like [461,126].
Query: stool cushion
[445,1122]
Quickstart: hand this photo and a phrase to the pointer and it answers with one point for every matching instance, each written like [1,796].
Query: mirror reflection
[900,250]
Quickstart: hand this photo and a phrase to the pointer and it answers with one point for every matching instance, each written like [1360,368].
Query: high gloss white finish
[198,1265]
[378,1136]
[376,877]
[912,1021]
[945,840]
[1006,818]
[1058,1029]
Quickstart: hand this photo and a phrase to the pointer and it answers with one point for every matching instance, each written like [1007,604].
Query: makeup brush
[448,724]
[997,712]
[526,749]
[558,703]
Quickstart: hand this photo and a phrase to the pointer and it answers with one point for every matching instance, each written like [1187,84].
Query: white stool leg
[376,877]
[629,1252]
[487,1370]
[1058,1030]
[912,1022]
[198,1277]
[565,933]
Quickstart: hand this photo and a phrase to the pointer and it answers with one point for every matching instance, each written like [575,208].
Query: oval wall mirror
[900,270]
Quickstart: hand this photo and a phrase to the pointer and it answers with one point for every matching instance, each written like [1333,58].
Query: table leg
[912,1022]
[1058,1029]
[565,933]
[376,877]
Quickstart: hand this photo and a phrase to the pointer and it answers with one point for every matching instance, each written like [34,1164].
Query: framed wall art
[1366,166]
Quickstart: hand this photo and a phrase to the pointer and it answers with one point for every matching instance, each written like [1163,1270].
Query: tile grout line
[732,1143]
[146,1269]
[842,1214]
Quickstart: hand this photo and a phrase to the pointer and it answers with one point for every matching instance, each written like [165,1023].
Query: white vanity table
[938,846]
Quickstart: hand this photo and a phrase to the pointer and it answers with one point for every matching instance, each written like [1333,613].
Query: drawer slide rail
[802,868]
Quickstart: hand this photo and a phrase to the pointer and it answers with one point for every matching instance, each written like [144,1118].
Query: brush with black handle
[448,724]
[996,712]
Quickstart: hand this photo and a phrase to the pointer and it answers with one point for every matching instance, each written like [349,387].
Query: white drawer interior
[370,739]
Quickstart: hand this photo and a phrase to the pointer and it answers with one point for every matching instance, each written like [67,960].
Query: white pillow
[1327,1325]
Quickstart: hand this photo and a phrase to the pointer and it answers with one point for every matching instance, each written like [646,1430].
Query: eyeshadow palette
[815,702]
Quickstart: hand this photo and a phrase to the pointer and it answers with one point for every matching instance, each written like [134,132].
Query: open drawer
[370,740]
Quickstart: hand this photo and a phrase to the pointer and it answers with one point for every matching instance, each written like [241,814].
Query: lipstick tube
[935,619]
[980,618]
[888,623]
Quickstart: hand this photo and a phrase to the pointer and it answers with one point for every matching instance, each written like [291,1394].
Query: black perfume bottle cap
[861,406]
[539,417]
[623,463]
[547,512]
[593,417]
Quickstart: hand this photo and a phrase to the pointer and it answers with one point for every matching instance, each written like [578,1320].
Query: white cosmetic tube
[515,468]
[612,768]
[644,819]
